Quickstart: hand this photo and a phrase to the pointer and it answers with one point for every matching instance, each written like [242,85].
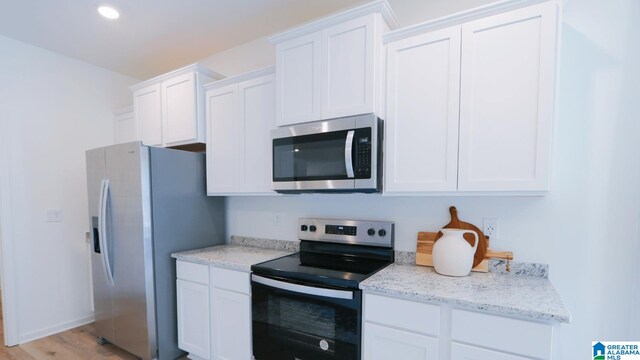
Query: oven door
[332,155]
[294,321]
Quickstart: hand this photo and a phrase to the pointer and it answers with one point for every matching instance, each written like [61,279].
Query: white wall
[52,109]
[585,228]
[256,54]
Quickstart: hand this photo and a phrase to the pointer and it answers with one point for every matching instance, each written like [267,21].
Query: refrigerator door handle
[102,226]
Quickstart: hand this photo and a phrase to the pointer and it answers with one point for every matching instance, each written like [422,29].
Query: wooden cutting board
[425,248]
[455,223]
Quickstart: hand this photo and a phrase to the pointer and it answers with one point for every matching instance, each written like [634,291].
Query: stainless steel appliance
[144,204]
[339,155]
[307,306]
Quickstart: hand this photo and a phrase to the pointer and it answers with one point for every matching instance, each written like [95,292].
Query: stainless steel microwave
[338,155]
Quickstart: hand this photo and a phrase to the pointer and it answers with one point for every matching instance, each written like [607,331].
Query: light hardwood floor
[75,344]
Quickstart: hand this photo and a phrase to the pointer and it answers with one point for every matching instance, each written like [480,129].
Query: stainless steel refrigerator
[144,204]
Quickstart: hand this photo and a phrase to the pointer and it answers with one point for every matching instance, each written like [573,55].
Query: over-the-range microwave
[337,155]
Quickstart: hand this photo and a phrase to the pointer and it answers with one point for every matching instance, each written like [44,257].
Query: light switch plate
[54,215]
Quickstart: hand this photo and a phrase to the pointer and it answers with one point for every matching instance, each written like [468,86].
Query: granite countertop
[510,295]
[235,257]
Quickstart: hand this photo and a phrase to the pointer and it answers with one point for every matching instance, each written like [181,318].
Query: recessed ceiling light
[109,12]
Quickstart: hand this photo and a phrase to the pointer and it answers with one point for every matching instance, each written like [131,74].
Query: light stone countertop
[235,257]
[527,297]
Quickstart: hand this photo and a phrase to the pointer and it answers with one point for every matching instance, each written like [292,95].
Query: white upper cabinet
[124,125]
[223,149]
[348,60]
[506,102]
[257,112]
[240,114]
[298,76]
[423,84]
[470,107]
[179,118]
[332,67]
[169,109]
[147,107]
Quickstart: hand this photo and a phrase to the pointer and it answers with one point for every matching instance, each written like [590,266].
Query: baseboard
[34,335]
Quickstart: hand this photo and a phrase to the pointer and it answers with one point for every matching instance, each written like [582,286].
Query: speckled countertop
[236,257]
[510,295]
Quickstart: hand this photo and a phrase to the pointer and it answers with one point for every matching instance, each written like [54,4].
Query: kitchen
[584,227]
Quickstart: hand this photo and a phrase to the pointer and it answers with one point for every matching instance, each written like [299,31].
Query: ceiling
[154,36]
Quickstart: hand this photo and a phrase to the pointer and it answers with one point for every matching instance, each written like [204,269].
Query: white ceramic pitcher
[452,254]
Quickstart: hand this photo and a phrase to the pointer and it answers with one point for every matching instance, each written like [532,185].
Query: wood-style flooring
[75,344]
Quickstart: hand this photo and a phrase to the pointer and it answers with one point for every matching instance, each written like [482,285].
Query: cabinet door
[257,110]
[423,91]
[179,110]
[231,325]
[147,109]
[466,352]
[384,343]
[298,80]
[506,104]
[125,128]
[193,318]
[348,53]
[224,141]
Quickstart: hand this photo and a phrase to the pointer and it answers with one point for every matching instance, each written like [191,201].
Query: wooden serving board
[425,248]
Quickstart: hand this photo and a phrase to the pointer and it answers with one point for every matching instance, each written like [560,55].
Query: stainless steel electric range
[307,306]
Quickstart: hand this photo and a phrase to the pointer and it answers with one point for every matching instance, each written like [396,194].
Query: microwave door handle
[348,158]
[303,289]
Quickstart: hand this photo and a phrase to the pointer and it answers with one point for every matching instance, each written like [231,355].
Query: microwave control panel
[363,153]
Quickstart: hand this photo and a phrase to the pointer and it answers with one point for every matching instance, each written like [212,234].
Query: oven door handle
[303,289]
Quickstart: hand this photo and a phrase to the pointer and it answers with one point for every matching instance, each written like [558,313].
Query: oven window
[310,157]
[297,315]
[288,325]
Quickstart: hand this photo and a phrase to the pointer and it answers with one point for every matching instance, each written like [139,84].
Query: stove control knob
[303,228]
[382,232]
[371,232]
[312,228]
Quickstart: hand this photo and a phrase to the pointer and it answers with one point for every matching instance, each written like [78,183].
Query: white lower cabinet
[400,329]
[193,309]
[214,322]
[214,312]
[527,338]
[230,314]
[467,352]
[383,343]
[230,325]
[403,329]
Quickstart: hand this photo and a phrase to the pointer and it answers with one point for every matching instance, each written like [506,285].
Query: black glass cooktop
[331,265]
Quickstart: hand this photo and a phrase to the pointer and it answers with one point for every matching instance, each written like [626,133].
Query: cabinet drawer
[384,343]
[405,314]
[198,273]
[232,280]
[512,335]
[466,352]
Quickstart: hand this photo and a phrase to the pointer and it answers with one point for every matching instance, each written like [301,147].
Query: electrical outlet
[490,228]
[277,217]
